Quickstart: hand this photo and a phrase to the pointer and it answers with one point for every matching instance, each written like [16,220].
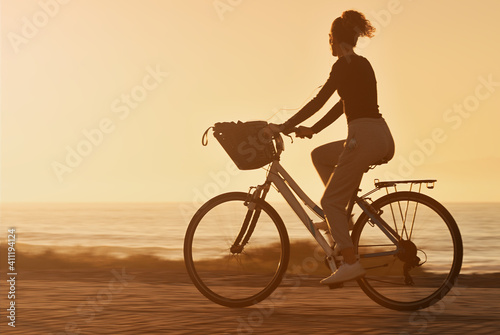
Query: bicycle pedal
[334,286]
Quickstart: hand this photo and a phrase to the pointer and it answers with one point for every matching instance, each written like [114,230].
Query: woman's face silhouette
[339,49]
[334,46]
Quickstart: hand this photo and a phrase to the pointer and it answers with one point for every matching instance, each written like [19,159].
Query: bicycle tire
[208,281]
[434,283]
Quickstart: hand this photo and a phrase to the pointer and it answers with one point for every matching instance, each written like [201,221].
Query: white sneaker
[344,273]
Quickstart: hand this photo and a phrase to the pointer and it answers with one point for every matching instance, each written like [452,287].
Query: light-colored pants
[341,166]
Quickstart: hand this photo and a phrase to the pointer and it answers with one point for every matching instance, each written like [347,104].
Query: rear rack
[429,183]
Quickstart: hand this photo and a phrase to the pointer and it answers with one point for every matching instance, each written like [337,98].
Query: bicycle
[237,249]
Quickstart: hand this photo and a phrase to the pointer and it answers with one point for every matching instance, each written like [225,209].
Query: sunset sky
[108,100]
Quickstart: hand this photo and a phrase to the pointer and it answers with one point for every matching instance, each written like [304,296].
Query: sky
[108,100]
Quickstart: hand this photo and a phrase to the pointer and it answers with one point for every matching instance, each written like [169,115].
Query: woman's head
[348,27]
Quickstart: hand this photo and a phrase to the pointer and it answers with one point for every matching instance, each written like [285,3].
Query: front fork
[251,218]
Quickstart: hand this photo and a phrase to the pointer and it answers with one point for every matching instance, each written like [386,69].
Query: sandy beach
[138,301]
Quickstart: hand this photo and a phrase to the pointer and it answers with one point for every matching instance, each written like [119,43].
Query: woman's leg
[339,190]
[367,143]
[325,158]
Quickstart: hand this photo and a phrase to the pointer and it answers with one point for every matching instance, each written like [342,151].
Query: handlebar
[276,136]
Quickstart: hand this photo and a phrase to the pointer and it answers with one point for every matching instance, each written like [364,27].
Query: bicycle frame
[284,183]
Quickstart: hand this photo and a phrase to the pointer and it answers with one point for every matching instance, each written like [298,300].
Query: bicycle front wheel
[236,252]
[425,265]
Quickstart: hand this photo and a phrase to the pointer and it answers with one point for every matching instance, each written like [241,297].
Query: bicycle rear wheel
[233,263]
[426,265]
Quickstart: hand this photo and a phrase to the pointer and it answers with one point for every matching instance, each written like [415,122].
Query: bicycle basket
[248,146]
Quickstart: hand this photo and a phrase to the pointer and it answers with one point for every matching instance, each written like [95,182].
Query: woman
[341,164]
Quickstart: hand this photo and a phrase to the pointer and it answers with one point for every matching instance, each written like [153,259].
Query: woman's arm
[325,121]
[314,105]
[329,117]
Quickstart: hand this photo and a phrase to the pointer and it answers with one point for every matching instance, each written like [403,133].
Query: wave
[305,257]
[38,257]
[29,257]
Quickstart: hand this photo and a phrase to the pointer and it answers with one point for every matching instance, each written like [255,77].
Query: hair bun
[357,22]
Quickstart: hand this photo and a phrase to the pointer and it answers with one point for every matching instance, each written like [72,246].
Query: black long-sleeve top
[353,77]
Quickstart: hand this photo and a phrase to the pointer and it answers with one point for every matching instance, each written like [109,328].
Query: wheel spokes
[428,235]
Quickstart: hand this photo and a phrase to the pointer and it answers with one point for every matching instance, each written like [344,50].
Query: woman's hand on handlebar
[303,132]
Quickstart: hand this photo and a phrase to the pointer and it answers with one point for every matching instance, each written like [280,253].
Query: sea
[122,229]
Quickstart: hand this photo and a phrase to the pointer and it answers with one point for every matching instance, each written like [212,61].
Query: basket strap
[204,138]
